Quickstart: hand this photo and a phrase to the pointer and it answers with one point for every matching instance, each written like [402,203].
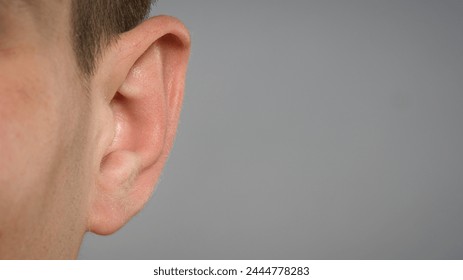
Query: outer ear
[141,81]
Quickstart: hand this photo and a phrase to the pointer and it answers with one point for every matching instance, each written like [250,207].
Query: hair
[97,23]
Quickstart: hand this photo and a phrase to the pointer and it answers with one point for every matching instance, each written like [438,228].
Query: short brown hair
[96,23]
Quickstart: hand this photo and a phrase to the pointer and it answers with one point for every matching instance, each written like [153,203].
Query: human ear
[141,81]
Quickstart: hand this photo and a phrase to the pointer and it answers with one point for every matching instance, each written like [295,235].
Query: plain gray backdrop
[311,130]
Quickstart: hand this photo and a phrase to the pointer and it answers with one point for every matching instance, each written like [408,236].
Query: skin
[74,161]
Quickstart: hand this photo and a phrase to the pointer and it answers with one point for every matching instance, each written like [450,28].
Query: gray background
[311,129]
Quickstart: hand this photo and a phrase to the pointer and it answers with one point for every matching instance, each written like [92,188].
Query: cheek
[27,133]
[41,144]
[24,113]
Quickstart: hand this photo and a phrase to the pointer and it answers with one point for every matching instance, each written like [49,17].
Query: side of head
[90,97]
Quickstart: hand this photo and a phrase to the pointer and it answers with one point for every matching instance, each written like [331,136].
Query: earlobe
[146,92]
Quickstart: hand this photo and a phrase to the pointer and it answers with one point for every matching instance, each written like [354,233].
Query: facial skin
[77,157]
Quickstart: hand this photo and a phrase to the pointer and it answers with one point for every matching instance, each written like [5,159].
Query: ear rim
[131,46]
[155,27]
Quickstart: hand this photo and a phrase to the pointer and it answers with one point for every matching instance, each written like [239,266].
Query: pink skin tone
[71,161]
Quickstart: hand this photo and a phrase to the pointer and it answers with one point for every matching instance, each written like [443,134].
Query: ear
[140,80]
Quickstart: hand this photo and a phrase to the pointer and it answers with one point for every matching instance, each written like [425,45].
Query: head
[90,97]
